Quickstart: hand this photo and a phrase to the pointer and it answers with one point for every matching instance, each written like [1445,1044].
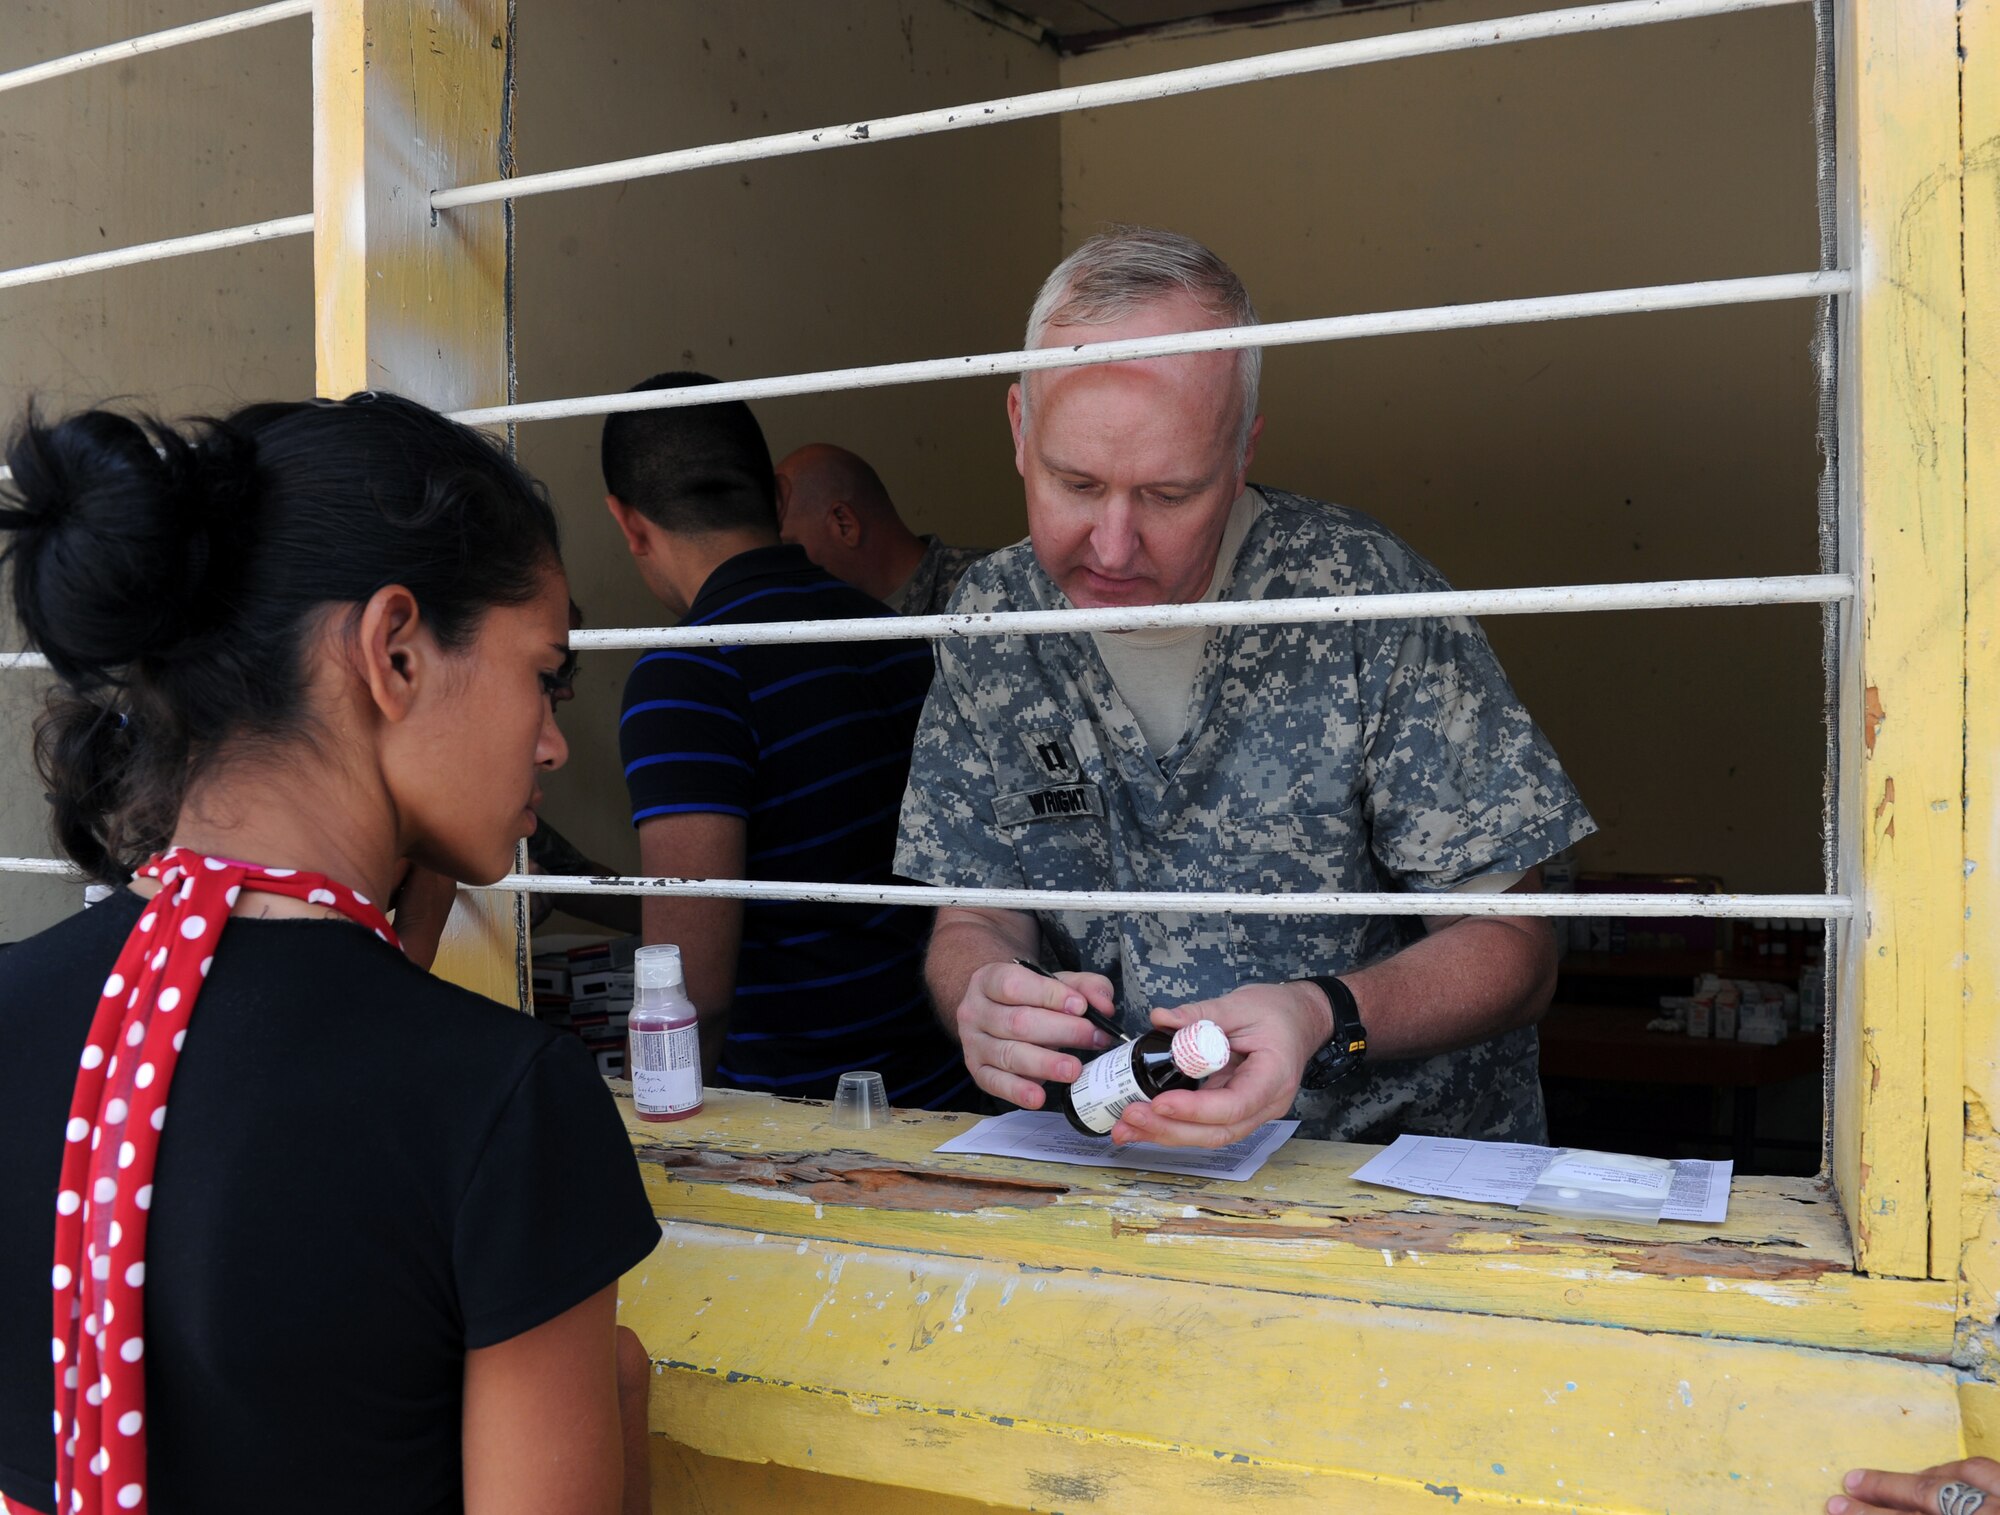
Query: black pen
[1097,1018]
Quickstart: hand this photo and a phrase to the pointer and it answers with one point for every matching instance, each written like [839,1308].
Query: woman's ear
[395,649]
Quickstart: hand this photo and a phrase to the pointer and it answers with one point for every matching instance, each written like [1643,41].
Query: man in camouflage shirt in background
[834,504]
[1350,755]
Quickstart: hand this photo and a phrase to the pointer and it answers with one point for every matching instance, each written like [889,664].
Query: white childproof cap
[657,967]
[1201,1049]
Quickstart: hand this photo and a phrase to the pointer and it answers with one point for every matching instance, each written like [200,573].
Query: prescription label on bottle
[666,1070]
[1104,1089]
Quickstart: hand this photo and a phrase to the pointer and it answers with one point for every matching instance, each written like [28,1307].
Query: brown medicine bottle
[1141,1070]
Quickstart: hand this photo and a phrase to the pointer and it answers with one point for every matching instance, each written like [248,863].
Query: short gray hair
[1130,267]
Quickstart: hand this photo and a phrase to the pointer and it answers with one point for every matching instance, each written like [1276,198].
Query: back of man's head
[821,475]
[691,469]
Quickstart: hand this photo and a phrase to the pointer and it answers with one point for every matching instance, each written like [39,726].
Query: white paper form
[1700,1192]
[1502,1173]
[1043,1136]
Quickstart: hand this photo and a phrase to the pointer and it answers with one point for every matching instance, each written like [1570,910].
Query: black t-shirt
[366,1172]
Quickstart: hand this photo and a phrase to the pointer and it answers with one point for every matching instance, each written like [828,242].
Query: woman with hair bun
[370,1262]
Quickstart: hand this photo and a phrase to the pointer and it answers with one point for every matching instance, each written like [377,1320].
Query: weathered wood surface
[1041,1336]
[1898,1114]
[1978,1231]
[1779,1269]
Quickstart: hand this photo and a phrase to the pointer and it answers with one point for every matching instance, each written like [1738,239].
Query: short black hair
[695,468]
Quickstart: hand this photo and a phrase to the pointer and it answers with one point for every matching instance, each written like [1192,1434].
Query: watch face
[1343,1052]
[1328,1066]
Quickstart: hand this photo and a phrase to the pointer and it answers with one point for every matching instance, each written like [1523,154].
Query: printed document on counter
[1046,1137]
[1502,1173]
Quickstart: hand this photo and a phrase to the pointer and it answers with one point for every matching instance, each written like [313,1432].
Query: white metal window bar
[1161,86]
[1662,594]
[1389,323]
[153,42]
[1794,589]
[153,252]
[1715,906]
[166,247]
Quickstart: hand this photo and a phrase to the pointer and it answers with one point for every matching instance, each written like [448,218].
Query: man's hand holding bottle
[1017,1024]
[1273,1030]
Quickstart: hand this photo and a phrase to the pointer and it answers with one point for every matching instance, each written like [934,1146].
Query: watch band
[1345,1049]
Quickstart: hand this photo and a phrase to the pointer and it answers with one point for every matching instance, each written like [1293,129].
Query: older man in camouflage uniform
[1362,756]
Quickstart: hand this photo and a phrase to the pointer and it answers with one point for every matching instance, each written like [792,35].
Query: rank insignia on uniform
[1051,753]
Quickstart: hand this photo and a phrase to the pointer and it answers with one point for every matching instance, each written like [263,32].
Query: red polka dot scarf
[113,1136]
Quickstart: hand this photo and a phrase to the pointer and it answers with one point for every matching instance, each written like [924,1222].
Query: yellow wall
[855,1303]
[868,255]
[214,134]
[1640,448]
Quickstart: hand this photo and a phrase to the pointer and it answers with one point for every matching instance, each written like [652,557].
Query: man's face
[1130,468]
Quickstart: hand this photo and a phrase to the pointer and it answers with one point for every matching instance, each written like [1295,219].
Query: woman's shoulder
[329,1023]
[79,947]
[370,985]
[316,987]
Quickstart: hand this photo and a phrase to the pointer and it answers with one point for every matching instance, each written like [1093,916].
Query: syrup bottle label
[666,1070]
[1104,1089]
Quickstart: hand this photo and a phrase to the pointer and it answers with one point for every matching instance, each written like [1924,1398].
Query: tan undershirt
[1155,670]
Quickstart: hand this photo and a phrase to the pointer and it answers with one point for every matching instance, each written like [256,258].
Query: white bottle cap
[1201,1049]
[657,968]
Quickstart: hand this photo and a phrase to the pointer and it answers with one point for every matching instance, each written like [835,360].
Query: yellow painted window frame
[422,307]
[1918,717]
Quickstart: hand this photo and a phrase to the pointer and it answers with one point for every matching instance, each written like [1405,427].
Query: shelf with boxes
[1679,1036]
[1758,981]
[1721,995]
[585,985]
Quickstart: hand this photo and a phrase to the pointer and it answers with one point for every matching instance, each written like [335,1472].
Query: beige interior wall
[213,134]
[860,255]
[1646,447]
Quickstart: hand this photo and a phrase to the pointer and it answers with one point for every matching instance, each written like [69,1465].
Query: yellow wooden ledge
[1778,1270]
[850,1305]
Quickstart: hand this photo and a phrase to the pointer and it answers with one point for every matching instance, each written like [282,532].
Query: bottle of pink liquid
[665,1042]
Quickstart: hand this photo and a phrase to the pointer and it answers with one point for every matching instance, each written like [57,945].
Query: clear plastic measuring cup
[860,1102]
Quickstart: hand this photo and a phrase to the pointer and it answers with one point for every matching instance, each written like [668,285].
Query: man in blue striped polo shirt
[780,761]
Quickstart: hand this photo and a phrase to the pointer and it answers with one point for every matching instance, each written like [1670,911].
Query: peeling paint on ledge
[858,1178]
[1417,1235]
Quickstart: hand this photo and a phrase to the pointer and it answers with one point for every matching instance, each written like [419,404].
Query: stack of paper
[1502,1173]
[1044,1136]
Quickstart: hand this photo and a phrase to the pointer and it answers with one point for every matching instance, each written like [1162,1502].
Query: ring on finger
[1957,1498]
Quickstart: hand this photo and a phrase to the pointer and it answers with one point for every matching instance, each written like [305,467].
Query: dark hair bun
[122,535]
[175,578]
